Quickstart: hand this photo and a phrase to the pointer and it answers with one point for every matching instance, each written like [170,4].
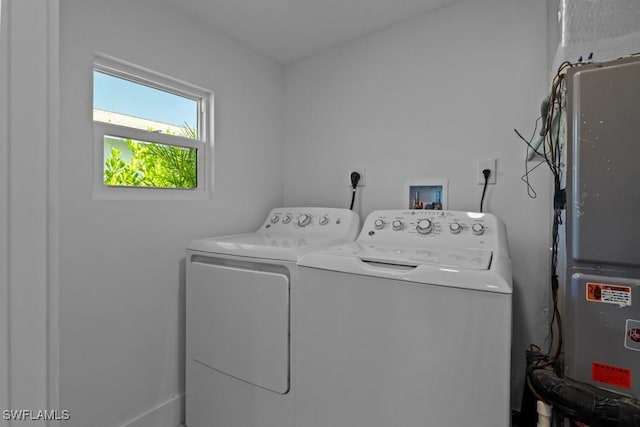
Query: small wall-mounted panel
[430,194]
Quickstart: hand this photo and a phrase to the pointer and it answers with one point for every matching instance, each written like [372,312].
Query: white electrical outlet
[363,175]
[487,164]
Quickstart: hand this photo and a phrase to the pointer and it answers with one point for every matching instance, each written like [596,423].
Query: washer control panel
[436,228]
[312,220]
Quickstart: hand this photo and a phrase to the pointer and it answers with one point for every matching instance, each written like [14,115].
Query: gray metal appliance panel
[601,333]
[604,194]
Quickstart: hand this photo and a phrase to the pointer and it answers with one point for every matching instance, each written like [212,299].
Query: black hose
[580,401]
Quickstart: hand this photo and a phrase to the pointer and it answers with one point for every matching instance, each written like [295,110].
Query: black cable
[355,179]
[486,173]
[531,192]
[529,142]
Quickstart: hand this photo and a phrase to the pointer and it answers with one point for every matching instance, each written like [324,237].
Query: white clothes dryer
[240,294]
[410,325]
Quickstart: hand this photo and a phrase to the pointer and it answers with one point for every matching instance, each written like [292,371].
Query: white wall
[422,99]
[426,99]
[24,139]
[4,210]
[554,32]
[120,262]
[604,29]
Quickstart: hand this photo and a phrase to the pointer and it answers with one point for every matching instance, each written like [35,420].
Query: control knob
[477,229]
[378,224]
[324,220]
[397,225]
[286,219]
[304,220]
[275,219]
[424,226]
[455,228]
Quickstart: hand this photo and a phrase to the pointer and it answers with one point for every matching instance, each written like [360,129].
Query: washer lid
[472,269]
[471,259]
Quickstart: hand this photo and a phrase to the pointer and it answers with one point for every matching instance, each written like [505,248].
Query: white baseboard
[169,413]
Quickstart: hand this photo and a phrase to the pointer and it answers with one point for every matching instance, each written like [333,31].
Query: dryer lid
[285,247]
[287,234]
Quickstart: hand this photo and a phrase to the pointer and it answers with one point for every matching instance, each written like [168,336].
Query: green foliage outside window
[147,164]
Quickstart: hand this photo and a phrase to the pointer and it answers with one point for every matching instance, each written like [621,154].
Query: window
[150,132]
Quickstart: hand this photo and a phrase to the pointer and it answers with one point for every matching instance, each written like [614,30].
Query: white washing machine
[239,294]
[408,326]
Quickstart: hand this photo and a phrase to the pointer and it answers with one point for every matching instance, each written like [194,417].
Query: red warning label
[609,294]
[612,375]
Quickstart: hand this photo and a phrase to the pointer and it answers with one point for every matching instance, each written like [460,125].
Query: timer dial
[424,226]
[304,220]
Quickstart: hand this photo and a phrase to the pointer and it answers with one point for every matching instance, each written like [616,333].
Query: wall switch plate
[487,164]
[363,175]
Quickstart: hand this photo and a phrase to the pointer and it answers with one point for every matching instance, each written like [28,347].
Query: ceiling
[287,30]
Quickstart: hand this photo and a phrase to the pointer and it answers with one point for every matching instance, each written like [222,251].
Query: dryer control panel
[328,222]
[434,228]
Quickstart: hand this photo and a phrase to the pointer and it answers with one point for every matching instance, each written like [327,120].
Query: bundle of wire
[552,154]
[550,150]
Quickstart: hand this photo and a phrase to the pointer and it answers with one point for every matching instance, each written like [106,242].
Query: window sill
[103,192]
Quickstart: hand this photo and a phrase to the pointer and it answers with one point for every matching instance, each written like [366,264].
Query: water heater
[602,311]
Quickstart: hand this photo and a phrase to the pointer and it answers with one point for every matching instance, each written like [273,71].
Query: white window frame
[203,144]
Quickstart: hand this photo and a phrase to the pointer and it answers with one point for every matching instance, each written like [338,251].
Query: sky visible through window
[133,99]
